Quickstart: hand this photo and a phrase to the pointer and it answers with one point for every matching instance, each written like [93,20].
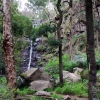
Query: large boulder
[44,76]
[31,74]
[71,77]
[40,85]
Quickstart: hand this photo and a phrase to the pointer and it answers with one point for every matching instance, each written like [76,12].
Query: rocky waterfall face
[30,56]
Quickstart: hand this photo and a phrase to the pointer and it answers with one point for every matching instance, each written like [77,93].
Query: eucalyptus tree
[90,50]
[37,6]
[8,46]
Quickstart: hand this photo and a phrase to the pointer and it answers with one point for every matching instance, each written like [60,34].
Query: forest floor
[73,97]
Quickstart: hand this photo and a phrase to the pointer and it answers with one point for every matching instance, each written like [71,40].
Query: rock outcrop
[40,85]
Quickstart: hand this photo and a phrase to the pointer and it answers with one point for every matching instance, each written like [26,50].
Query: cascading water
[30,56]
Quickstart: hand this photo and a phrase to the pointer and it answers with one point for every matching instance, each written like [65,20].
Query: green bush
[53,42]
[52,66]
[41,31]
[3,80]
[24,91]
[5,93]
[57,96]
[58,90]
[41,47]
[78,89]
[69,65]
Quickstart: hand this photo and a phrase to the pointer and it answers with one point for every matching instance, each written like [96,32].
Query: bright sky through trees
[22,4]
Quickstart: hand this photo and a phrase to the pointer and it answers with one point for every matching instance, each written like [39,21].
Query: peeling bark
[8,46]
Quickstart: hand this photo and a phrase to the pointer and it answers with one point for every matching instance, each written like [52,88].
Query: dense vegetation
[73,42]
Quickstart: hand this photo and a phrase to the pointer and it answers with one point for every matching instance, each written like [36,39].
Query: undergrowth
[79,89]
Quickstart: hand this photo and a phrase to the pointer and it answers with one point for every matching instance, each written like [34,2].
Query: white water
[30,56]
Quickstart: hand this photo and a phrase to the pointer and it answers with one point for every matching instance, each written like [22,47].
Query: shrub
[58,90]
[53,42]
[24,91]
[69,65]
[52,67]
[78,89]
[3,80]
[58,97]
[41,47]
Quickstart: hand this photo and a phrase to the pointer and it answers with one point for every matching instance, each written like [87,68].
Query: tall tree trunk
[97,4]
[59,38]
[90,49]
[71,31]
[8,46]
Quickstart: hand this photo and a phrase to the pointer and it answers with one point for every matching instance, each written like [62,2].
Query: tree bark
[90,50]
[8,46]
[71,31]
[59,38]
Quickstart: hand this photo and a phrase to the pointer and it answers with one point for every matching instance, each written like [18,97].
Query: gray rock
[31,74]
[44,76]
[42,93]
[77,70]
[71,77]
[66,97]
[40,85]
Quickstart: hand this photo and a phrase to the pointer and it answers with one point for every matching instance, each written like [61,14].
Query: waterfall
[30,55]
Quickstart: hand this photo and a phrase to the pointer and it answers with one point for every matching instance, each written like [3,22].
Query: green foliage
[24,91]
[37,3]
[81,59]
[58,90]
[19,45]
[79,89]
[3,80]
[52,66]
[53,42]
[57,96]
[41,31]
[67,64]
[5,93]
[37,98]
[21,25]
[41,47]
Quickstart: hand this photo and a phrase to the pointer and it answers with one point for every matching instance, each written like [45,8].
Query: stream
[30,56]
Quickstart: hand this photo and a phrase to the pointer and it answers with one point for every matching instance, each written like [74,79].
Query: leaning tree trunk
[8,46]
[59,38]
[90,49]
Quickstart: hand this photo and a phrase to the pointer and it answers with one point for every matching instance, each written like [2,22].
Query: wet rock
[40,85]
